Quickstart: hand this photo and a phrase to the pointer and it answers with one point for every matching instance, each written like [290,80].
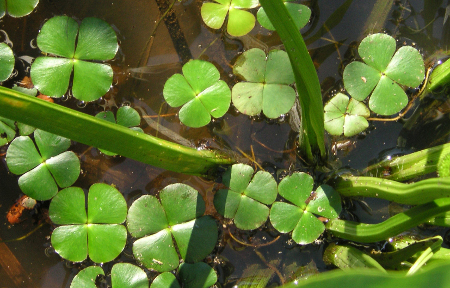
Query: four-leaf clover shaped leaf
[267,87]
[200,91]
[245,201]
[344,115]
[16,8]
[299,13]
[126,116]
[98,233]
[383,72]
[299,216]
[240,22]
[44,170]
[94,39]
[7,61]
[177,215]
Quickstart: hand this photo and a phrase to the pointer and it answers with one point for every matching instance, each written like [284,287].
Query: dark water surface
[141,68]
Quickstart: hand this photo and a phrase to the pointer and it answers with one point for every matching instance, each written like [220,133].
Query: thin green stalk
[409,166]
[99,133]
[307,81]
[414,193]
[367,233]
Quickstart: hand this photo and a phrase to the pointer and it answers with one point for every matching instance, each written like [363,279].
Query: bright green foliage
[299,13]
[382,72]
[299,216]
[443,167]
[178,215]
[344,115]
[17,8]
[246,201]
[239,23]
[267,87]
[200,91]
[45,170]
[126,116]
[198,275]
[165,280]
[311,138]
[98,233]
[86,277]
[95,40]
[123,275]
[6,61]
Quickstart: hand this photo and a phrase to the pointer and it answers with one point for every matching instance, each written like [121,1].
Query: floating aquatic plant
[299,13]
[245,199]
[126,116]
[197,275]
[177,215]
[383,72]
[45,170]
[6,61]
[97,233]
[267,83]
[344,115]
[74,48]
[17,8]
[123,275]
[240,22]
[200,92]
[299,215]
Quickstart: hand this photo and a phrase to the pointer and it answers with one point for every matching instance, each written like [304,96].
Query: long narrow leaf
[308,85]
[97,132]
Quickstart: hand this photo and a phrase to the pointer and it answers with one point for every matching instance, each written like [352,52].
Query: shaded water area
[142,66]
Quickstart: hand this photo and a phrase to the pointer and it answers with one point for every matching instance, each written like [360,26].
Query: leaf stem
[366,233]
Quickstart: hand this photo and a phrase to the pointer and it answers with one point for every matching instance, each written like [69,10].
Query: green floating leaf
[125,275]
[94,40]
[43,172]
[86,277]
[198,275]
[17,8]
[6,61]
[87,234]
[240,22]
[299,216]
[299,13]
[165,280]
[267,88]
[200,91]
[178,216]
[345,116]
[126,116]
[246,201]
[383,72]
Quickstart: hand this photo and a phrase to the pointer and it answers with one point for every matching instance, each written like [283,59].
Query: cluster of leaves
[45,170]
[74,47]
[125,275]
[245,201]
[177,215]
[266,88]
[240,22]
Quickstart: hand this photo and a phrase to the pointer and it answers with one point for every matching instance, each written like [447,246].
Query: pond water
[142,66]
